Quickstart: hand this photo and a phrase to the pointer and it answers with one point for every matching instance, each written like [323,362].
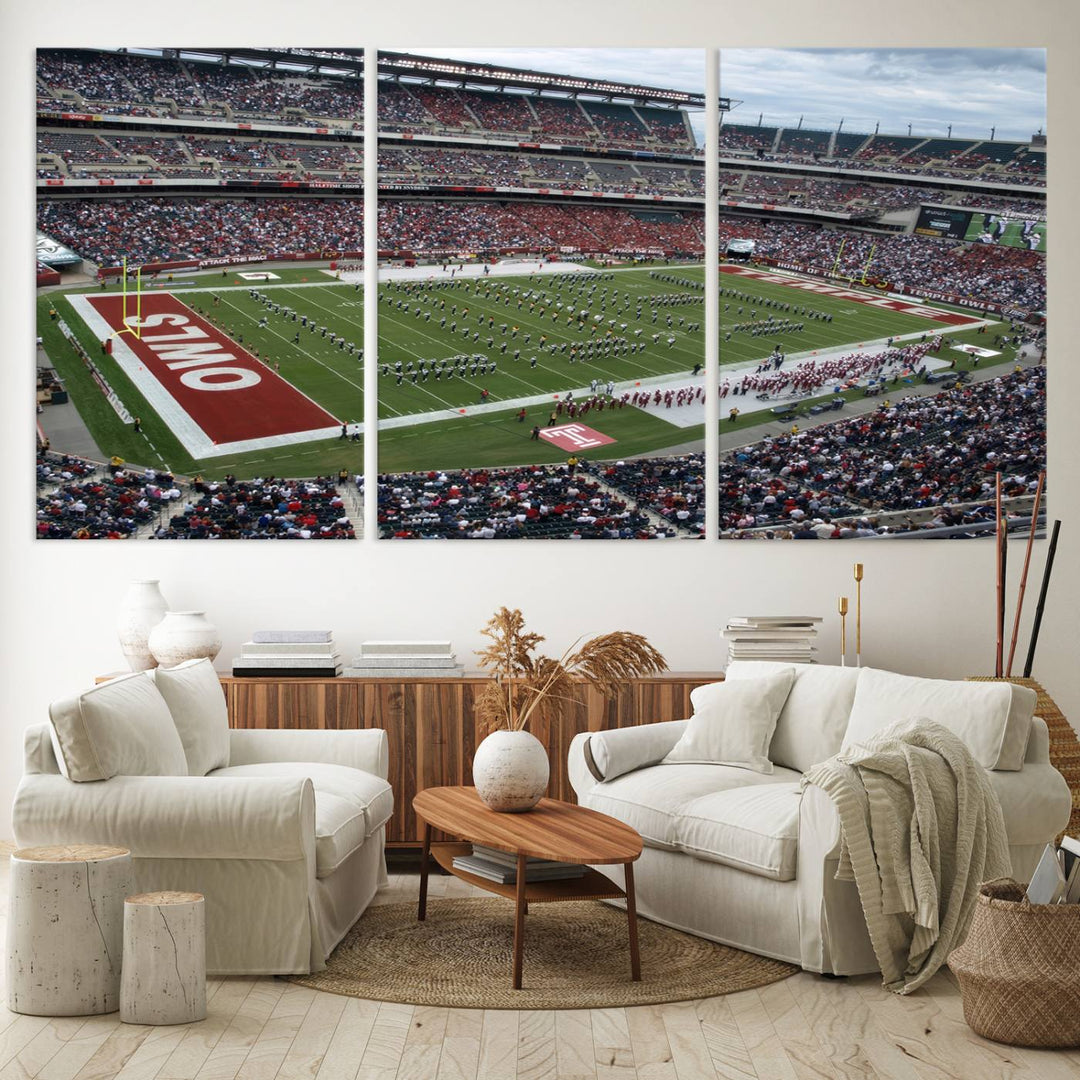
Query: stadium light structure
[397,65]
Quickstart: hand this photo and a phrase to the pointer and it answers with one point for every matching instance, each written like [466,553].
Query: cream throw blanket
[921,829]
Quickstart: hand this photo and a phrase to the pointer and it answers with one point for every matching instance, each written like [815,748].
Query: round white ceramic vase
[143,607]
[184,635]
[510,771]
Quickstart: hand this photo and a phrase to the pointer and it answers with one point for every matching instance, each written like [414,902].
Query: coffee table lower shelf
[591,886]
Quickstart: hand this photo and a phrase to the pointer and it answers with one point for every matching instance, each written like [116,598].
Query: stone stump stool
[164,980]
[65,929]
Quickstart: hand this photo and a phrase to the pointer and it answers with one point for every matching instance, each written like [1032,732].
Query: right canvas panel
[882,292]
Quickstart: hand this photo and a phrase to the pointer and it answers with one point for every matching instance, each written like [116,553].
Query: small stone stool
[65,929]
[164,980]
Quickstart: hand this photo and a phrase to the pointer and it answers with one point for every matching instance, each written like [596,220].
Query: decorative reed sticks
[1000,552]
[858,613]
[1042,599]
[1024,572]
[841,607]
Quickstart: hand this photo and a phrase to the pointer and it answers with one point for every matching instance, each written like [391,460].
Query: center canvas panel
[541,293]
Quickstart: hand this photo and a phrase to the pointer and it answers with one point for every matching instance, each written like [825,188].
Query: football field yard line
[251,318]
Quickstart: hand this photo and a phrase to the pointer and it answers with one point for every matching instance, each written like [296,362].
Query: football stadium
[541,308]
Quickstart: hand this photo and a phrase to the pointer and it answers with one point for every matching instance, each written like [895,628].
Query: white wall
[928,606]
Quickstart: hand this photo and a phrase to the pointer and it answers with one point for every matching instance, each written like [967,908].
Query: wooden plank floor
[805,1028]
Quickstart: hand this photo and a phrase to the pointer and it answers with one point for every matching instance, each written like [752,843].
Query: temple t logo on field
[575,437]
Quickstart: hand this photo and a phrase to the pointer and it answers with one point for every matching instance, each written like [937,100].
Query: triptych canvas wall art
[543,281]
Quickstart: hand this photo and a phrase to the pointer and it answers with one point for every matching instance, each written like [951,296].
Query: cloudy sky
[972,89]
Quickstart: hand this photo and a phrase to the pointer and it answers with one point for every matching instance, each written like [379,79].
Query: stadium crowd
[921,453]
[80,500]
[673,487]
[144,85]
[156,228]
[75,502]
[535,501]
[260,509]
[994,274]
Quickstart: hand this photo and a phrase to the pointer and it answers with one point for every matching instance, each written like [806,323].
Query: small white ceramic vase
[510,771]
[143,607]
[184,635]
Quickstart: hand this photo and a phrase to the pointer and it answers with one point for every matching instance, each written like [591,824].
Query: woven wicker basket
[1019,969]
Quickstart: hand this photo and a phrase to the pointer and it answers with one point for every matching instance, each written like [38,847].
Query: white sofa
[744,858]
[282,831]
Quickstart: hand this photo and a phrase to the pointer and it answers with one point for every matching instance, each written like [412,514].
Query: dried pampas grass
[523,681]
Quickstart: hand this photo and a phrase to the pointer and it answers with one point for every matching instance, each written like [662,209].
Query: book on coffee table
[501,866]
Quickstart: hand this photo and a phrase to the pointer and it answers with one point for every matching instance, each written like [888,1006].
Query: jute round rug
[576,957]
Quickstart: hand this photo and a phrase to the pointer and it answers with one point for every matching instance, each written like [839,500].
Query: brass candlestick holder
[841,607]
[858,613]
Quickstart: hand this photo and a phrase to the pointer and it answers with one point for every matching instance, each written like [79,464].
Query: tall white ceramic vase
[184,635]
[142,608]
[510,771]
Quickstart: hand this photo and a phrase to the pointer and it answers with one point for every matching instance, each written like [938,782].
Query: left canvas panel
[199,302]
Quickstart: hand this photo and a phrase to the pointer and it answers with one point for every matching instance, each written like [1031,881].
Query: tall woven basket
[1019,969]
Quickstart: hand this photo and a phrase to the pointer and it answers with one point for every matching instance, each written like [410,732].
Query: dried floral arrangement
[523,680]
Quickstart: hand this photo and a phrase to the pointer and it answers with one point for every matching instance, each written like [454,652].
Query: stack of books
[501,866]
[786,639]
[1057,877]
[405,660]
[292,653]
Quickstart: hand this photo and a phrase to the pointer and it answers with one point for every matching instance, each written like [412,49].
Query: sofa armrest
[596,756]
[832,927]
[365,748]
[171,817]
[38,753]
[1038,747]
[1035,803]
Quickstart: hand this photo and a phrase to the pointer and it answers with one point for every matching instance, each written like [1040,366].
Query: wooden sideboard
[431,726]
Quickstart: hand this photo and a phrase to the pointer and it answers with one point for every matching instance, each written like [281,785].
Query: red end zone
[227,393]
[836,292]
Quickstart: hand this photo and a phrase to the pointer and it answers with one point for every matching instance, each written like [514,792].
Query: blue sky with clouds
[972,89]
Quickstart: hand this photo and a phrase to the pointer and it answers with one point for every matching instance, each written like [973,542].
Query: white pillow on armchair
[733,722]
[192,690]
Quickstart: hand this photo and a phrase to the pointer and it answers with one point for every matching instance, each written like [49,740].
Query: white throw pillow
[993,720]
[733,722]
[812,722]
[193,693]
[120,728]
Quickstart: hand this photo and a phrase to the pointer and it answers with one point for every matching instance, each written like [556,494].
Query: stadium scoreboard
[979,227]
[938,221]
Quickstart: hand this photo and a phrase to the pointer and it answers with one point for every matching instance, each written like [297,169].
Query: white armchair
[286,841]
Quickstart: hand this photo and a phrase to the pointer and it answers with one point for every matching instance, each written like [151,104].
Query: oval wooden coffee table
[553,830]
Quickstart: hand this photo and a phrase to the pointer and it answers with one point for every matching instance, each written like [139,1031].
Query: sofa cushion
[193,693]
[751,828]
[733,722]
[366,792]
[992,719]
[654,800]
[119,728]
[340,828]
[811,725]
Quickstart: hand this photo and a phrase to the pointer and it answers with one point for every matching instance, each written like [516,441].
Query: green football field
[566,332]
